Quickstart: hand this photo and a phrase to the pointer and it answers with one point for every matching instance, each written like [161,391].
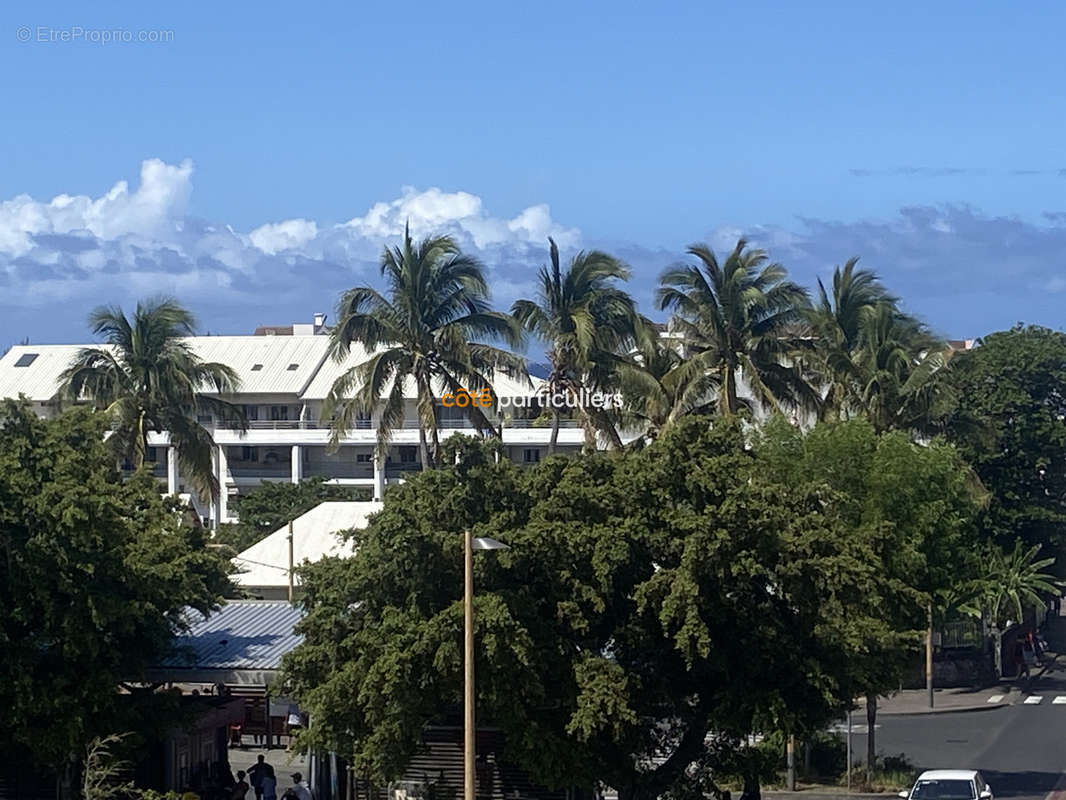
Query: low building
[265,566]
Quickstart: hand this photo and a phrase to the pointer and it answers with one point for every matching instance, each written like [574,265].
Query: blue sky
[927,140]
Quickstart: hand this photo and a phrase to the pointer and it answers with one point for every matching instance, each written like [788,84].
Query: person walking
[259,770]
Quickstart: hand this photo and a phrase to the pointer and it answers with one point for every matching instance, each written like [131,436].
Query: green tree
[839,320]
[649,599]
[147,379]
[423,333]
[94,574]
[912,507]
[746,319]
[661,387]
[270,505]
[1009,425]
[588,323]
[1008,583]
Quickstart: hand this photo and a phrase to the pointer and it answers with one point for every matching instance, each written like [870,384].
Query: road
[1020,749]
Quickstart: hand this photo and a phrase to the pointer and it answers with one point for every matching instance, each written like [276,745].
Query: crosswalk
[1032,699]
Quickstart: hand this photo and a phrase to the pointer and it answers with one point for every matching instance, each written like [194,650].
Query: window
[364,458]
[256,367]
[250,454]
[293,367]
[407,455]
[279,413]
[251,412]
[151,454]
[26,359]
[204,419]
[531,455]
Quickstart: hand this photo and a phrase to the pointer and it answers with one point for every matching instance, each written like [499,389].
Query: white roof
[262,364]
[503,385]
[948,775]
[40,380]
[266,563]
[272,354]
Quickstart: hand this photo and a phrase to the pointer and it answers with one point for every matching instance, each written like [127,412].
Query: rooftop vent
[26,359]
[293,367]
[256,367]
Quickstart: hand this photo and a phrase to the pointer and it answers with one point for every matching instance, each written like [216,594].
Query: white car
[949,784]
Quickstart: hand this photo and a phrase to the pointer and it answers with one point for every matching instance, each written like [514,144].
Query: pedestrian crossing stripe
[1033,699]
[996,698]
[1060,700]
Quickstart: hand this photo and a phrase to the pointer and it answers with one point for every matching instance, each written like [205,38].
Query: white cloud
[128,242]
[289,235]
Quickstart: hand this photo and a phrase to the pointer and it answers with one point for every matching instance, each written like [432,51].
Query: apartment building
[286,373]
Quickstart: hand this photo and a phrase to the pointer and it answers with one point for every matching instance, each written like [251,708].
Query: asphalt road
[1020,749]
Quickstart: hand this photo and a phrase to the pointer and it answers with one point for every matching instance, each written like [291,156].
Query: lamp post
[471,544]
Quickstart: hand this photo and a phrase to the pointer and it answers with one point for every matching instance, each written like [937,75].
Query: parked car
[949,784]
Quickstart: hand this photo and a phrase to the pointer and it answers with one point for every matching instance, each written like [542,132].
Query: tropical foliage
[423,334]
[589,324]
[147,379]
[649,599]
[95,576]
[743,318]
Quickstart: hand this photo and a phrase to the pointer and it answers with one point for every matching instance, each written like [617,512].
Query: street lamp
[471,544]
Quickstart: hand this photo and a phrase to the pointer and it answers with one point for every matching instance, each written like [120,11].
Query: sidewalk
[1007,692]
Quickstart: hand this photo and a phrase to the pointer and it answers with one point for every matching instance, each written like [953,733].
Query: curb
[943,710]
[842,795]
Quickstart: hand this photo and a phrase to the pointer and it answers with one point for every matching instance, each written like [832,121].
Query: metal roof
[40,380]
[242,635]
[293,365]
[319,388]
[274,355]
[314,536]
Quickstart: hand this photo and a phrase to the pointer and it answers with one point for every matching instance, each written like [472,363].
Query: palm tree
[422,331]
[588,323]
[660,386]
[1010,582]
[744,318]
[899,373]
[149,380]
[871,358]
[838,321]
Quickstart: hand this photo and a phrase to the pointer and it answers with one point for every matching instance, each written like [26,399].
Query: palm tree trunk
[555,432]
[729,391]
[423,448]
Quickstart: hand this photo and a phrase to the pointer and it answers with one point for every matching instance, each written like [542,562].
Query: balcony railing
[539,423]
[288,425]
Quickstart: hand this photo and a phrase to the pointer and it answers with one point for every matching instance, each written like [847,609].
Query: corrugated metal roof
[243,634]
[314,536]
[320,387]
[40,380]
[274,356]
[295,365]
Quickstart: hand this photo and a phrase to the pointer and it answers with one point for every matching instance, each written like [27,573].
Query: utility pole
[468,664]
[290,563]
[791,762]
[929,653]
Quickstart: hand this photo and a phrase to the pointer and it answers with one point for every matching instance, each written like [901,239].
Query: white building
[264,567]
[285,375]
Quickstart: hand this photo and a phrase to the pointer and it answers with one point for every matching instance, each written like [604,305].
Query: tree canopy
[1009,425]
[649,600]
[94,573]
